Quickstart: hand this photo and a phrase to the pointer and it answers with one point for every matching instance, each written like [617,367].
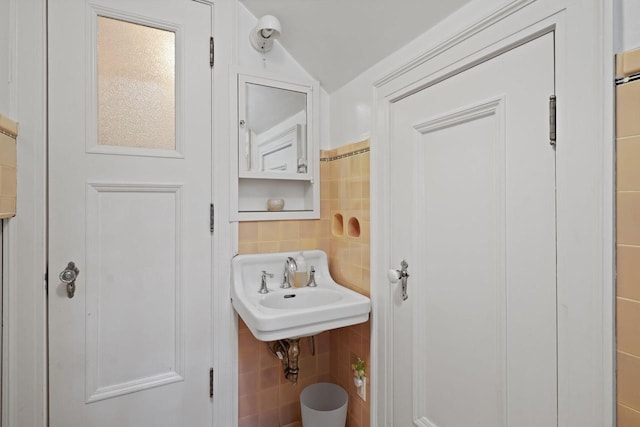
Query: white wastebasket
[324,405]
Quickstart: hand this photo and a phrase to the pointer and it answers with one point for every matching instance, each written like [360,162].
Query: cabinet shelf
[276,176]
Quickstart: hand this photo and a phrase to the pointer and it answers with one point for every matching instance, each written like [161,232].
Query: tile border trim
[344,155]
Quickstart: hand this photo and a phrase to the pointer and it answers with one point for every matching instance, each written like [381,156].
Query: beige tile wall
[628,63]
[346,345]
[281,236]
[628,243]
[8,167]
[349,183]
[266,399]
[348,198]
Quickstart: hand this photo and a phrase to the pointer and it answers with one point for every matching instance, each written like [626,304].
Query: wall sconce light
[264,33]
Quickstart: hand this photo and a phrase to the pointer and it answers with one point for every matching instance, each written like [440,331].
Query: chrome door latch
[69,276]
[400,275]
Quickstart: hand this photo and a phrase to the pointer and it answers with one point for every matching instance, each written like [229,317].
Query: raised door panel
[134,294]
[461,202]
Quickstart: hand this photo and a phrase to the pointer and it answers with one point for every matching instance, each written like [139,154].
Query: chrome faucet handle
[263,282]
[312,278]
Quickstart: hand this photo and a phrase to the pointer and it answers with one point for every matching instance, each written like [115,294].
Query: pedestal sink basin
[294,312]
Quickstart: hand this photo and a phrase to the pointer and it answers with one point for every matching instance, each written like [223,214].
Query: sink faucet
[290,267]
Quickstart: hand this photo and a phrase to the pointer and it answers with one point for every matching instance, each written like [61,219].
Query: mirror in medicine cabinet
[273,134]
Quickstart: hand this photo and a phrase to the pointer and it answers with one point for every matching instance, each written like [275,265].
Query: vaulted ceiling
[336,40]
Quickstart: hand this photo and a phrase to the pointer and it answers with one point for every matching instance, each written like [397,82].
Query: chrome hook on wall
[400,275]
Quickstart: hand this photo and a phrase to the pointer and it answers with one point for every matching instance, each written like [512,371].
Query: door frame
[24,367]
[24,363]
[585,198]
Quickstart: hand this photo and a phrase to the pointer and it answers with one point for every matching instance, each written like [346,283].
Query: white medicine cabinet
[275,149]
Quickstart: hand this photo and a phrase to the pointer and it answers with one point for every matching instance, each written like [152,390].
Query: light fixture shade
[264,33]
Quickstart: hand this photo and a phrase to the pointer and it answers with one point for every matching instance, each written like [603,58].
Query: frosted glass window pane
[136,85]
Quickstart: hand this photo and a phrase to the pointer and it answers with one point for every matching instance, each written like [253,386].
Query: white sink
[294,312]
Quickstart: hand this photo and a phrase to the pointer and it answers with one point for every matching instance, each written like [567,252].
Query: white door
[473,196]
[129,191]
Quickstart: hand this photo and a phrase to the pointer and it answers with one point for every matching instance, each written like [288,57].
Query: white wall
[278,61]
[351,105]
[626,25]
[6,42]
[5,55]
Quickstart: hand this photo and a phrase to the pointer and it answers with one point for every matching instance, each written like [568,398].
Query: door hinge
[211,48]
[552,120]
[211,383]
[212,214]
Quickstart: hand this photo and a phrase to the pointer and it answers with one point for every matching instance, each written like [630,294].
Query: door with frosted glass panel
[130,327]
